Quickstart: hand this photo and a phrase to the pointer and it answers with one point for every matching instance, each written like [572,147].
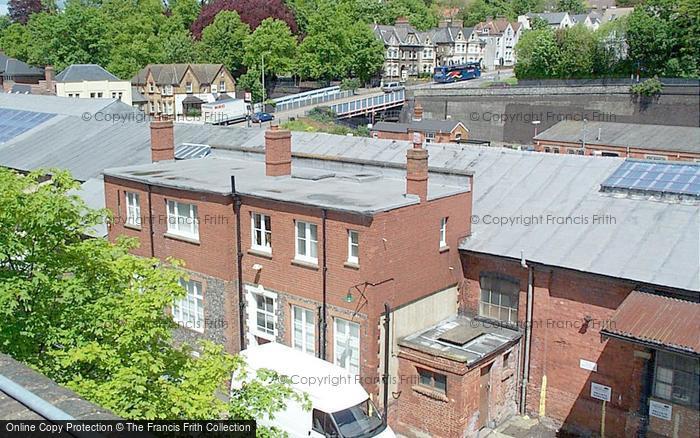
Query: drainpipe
[239,261]
[324,276]
[387,320]
[150,220]
[528,335]
[33,401]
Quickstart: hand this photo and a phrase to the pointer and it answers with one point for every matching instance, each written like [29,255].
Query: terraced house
[408,51]
[173,90]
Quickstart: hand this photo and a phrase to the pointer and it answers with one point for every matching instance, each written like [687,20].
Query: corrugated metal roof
[652,137]
[658,320]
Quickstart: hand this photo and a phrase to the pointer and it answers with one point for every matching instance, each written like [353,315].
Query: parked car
[392,86]
[262,117]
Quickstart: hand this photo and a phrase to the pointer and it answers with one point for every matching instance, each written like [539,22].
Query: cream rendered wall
[105,87]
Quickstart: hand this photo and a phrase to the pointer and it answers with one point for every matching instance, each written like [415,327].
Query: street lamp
[262,62]
[535,123]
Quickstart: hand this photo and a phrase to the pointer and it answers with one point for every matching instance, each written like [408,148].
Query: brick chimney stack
[417,168]
[49,77]
[418,112]
[278,152]
[162,140]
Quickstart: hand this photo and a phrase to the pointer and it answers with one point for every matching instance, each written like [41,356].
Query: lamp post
[262,64]
[535,123]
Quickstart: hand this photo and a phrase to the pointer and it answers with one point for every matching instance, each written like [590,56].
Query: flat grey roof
[656,137]
[461,339]
[69,106]
[344,191]
[650,241]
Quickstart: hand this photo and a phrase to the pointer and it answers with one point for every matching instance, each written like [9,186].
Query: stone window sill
[260,253]
[444,248]
[132,226]
[429,392]
[305,264]
[351,265]
[182,238]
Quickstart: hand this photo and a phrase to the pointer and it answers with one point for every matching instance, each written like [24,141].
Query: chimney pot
[418,112]
[278,152]
[162,140]
[417,169]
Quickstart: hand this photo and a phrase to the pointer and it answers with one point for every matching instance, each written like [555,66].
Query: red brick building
[434,131]
[310,255]
[626,140]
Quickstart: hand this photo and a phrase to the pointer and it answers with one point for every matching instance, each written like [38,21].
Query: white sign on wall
[660,410]
[601,392]
[587,365]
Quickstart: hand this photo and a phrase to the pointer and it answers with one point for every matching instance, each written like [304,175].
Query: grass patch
[308,124]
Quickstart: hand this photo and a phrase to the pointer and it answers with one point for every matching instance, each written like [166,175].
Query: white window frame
[133,209]
[354,259]
[222,86]
[265,232]
[342,340]
[308,243]
[184,226]
[655,157]
[195,299]
[188,87]
[252,309]
[443,232]
[306,327]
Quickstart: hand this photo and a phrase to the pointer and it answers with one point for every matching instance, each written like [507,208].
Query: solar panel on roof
[16,122]
[188,151]
[667,177]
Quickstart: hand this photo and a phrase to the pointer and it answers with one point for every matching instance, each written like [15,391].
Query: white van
[340,407]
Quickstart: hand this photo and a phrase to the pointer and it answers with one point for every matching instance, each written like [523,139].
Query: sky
[3,7]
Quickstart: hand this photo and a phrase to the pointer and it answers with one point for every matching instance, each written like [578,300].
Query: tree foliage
[251,12]
[19,11]
[91,316]
[274,41]
[572,6]
[222,41]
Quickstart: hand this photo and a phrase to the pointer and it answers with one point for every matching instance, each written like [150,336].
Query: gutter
[150,221]
[324,287]
[528,335]
[239,260]
[33,401]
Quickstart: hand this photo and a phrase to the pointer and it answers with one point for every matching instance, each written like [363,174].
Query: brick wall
[632,152]
[559,387]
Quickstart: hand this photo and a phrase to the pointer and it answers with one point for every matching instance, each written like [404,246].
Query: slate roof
[171,74]
[85,72]
[652,137]
[401,33]
[552,18]
[10,67]
[46,389]
[425,125]
[448,34]
[136,96]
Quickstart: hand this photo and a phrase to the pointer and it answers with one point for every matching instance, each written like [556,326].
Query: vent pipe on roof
[278,152]
[162,140]
[417,168]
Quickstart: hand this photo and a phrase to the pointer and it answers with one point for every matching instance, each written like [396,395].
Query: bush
[648,88]
[322,114]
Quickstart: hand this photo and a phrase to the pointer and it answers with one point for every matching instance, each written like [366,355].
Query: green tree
[274,40]
[176,43]
[572,6]
[366,53]
[4,23]
[252,81]
[417,11]
[522,7]
[576,52]
[223,40]
[185,11]
[538,55]
[15,41]
[91,316]
[479,10]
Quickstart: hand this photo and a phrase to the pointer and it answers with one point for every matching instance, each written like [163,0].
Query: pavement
[524,427]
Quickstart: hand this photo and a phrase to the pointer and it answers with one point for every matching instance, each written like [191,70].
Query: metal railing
[309,98]
[370,103]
